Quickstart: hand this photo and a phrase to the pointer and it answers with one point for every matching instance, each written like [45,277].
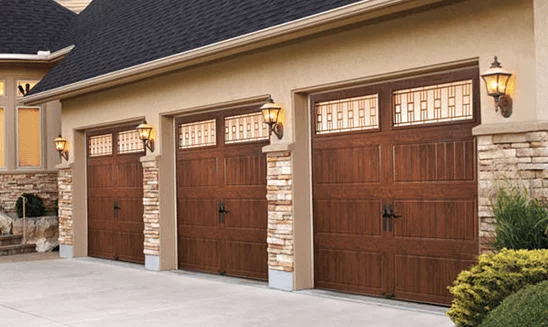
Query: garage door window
[345,115]
[129,142]
[245,128]
[100,145]
[28,136]
[433,104]
[200,134]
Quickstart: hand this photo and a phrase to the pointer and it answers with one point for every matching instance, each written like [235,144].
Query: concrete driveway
[87,292]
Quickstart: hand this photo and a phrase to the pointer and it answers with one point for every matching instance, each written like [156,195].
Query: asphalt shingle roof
[115,34]
[29,26]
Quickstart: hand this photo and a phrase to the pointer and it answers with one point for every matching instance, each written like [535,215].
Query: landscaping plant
[496,276]
[521,222]
[34,206]
[526,308]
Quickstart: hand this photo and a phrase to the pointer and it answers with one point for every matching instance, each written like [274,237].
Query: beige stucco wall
[10,73]
[465,32]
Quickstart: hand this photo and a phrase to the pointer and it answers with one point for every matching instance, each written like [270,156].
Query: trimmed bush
[34,206]
[521,222]
[482,288]
[526,308]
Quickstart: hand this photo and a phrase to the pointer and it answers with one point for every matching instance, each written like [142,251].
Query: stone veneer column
[66,234]
[521,157]
[280,237]
[151,215]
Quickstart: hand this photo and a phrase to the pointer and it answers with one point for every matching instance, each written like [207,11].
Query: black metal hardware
[116,207]
[222,211]
[391,216]
[385,217]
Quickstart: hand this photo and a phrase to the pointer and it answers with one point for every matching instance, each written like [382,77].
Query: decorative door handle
[385,217]
[391,215]
[222,211]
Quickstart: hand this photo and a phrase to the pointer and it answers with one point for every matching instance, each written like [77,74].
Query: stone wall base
[12,186]
[509,158]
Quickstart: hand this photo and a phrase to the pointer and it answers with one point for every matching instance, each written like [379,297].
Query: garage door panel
[198,212]
[440,161]
[418,167]
[427,277]
[115,232]
[246,259]
[131,210]
[102,242]
[244,213]
[101,176]
[102,209]
[130,175]
[229,173]
[199,253]
[129,249]
[436,219]
[245,170]
[347,217]
[346,267]
[197,172]
[347,165]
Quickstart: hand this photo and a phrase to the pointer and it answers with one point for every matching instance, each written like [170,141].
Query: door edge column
[280,234]
[151,212]
[66,234]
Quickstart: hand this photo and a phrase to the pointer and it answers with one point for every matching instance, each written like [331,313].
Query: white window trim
[17,139]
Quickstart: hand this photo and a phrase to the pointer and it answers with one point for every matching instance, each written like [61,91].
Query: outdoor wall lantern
[61,147]
[271,114]
[145,131]
[496,78]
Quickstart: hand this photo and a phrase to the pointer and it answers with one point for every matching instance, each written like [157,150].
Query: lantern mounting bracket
[504,103]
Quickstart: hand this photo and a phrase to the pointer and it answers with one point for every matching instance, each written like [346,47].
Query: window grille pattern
[200,134]
[245,128]
[129,142]
[433,104]
[345,115]
[100,145]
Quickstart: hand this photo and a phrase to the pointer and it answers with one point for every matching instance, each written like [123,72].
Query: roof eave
[350,14]
[36,58]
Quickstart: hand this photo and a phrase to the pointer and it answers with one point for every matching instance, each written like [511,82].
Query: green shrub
[521,222]
[34,206]
[526,308]
[482,288]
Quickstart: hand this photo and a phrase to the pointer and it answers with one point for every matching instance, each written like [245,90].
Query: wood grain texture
[427,173]
[117,178]
[233,243]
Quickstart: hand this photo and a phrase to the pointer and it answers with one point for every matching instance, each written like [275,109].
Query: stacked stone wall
[280,237]
[66,235]
[12,186]
[509,159]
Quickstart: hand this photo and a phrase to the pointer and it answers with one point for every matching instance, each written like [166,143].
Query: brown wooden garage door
[115,194]
[405,148]
[221,183]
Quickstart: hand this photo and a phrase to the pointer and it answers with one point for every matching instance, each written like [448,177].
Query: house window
[2,88]
[2,134]
[28,136]
[26,85]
